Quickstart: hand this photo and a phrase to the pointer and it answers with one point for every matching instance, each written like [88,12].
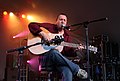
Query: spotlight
[39,68]
[34,64]
[11,14]
[23,16]
[28,61]
[5,13]
[14,37]
[29,17]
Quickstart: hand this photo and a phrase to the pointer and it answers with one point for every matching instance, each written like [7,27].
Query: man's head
[61,20]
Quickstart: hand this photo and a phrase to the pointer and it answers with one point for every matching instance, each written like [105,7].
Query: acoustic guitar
[56,42]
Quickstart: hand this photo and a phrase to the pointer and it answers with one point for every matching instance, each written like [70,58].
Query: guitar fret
[92,48]
[69,44]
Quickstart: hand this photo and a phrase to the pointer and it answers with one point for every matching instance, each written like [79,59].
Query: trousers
[55,60]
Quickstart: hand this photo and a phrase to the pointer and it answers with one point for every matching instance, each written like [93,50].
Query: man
[53,57]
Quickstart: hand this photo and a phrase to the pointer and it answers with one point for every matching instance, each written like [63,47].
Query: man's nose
[62,22]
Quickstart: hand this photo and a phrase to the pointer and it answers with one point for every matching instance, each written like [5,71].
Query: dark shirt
[35,29]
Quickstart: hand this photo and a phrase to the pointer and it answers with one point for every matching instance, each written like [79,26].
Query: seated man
[54,57]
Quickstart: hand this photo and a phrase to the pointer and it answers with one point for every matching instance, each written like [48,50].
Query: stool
[49,75]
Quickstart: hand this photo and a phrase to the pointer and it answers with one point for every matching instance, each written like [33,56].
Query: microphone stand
[85,25]
[20,52]
[87,49]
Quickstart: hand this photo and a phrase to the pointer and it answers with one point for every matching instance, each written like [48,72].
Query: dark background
[77,10]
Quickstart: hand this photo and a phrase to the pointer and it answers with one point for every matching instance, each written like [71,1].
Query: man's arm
[34,28]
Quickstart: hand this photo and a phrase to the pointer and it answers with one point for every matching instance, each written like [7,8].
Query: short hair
[60,14]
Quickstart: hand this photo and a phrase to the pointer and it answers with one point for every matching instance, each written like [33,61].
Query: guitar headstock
[92,48]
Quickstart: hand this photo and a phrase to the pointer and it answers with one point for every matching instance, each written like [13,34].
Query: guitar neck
[91,48]
[70,44]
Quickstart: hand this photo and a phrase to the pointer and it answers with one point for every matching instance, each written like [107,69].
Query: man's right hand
[45,36]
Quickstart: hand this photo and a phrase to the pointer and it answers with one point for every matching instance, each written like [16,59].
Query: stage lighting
[5,13]
[14,37]
[29,17]
[11,14]
[28,61]
[23,16]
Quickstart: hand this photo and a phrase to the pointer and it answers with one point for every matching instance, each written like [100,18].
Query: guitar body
[42,48]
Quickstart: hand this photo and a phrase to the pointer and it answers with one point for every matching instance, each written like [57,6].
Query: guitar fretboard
[70,44]
[91,48]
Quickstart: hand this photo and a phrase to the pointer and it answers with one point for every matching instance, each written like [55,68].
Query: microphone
[65,27]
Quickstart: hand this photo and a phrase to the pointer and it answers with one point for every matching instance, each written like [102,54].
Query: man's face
[61,21]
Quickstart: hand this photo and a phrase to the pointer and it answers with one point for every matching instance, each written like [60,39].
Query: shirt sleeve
[34,27]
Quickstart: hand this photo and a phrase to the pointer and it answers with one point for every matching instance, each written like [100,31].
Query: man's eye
[63,19]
